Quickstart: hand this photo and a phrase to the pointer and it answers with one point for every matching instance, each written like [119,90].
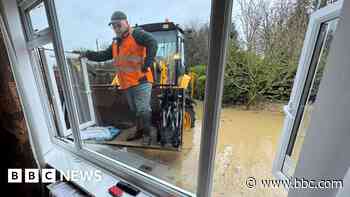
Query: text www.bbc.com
[295,183]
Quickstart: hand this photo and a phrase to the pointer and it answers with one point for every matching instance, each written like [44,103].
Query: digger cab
[170,53]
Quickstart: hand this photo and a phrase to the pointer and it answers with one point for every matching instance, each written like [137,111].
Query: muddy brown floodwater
[247,143]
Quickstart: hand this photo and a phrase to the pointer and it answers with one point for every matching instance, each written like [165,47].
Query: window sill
[63,161]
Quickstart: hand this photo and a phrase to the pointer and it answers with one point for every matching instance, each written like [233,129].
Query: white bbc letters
[48,175]
[31,175]
[14,175]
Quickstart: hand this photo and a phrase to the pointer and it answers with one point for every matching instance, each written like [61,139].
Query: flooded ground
[246,148]
[247,144]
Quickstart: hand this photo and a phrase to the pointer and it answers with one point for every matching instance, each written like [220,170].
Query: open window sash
[316,35]
[82,93]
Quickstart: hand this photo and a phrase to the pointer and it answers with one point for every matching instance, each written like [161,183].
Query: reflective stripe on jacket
[129,57]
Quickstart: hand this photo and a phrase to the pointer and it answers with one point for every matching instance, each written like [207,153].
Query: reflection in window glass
[311,88]
[38,17]
[151,128]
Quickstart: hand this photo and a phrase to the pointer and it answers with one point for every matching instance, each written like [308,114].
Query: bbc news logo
[30,175]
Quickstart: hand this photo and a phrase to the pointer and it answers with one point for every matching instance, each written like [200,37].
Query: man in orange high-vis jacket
[133,52]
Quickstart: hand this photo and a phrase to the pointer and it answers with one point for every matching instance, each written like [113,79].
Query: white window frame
[62,129]
[36,39]
[88,93]
[221,12]
[283,163]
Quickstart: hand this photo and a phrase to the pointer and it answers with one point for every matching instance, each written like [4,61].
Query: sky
[83,21]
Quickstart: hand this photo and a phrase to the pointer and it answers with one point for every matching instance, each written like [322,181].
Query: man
[133,51]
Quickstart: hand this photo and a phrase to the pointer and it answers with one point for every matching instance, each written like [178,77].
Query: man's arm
[99,56]
[146,39]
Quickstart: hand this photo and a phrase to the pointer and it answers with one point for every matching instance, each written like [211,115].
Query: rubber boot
[139,130]
[146,140]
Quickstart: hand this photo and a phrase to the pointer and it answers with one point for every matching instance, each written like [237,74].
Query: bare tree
[196,44]
[251,13]
[274,29]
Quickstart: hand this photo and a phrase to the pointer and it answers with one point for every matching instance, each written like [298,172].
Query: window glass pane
[38,17]
[81,90]
[262,57]
[163,113]
[167,43]
[311,87]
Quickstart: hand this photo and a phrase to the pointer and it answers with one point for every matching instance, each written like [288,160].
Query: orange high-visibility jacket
[129,57]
